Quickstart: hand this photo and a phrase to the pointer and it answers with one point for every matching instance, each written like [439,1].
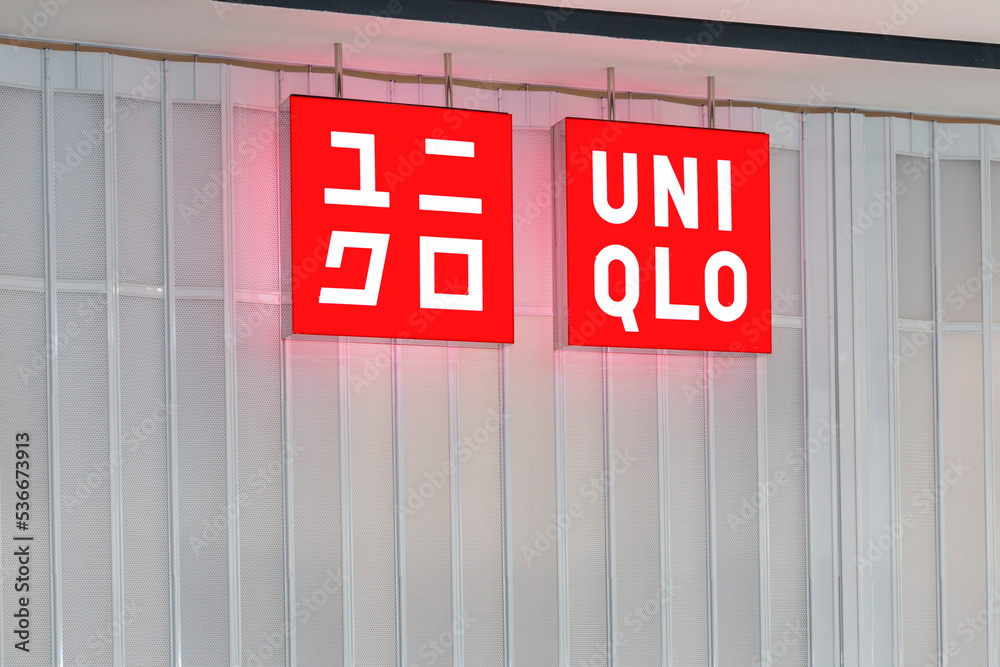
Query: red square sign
[663,237]
[401,221]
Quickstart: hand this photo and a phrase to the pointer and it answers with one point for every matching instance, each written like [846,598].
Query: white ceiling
[965,20]
[294,36]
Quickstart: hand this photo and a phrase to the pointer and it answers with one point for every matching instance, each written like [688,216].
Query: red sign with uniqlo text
[401,221]
[663,237]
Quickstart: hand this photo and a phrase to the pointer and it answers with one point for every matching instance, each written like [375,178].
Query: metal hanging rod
[338,70]
[449,100]
[611,93]
[711,101]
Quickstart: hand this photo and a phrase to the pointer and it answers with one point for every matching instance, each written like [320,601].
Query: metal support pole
[711,102]
[448,99]
[338,70]
[611,93]
[52,336]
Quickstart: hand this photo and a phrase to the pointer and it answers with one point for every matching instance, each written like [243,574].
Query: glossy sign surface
[401,221]
[663,237]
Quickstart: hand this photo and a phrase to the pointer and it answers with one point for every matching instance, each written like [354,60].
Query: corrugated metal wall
[204,491]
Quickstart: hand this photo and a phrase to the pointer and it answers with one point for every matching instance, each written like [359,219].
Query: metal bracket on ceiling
[711,102]
[449,100]
[611,93]
[338,70]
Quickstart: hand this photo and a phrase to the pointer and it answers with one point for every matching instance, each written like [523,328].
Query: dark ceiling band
[571,20]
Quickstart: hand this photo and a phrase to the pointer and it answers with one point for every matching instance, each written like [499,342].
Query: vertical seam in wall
[861,378]
[55,507]
[663,440]
[834,399]
[166,135]
[713,578]
[762,517]
[806,458]
[398,506]
[114,393]
[938,434]
[455,489]
[289,501]
[889,152]
[835,384]
[562,563]
[346,572]
[229,307]
[988,264]
[609,506]
[762,471]
[508,549]
[504,380]
[287,433]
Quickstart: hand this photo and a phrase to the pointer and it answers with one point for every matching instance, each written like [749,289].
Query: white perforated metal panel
[533,217]
[255,199]
[918,542]
[688,501]
[198,180]
[633,431]
[995,238]
[78,175]
[533,628]
[285,201]
[22,241]
[961,295]
[482,507]
[586,507]
[423,440]
[85,468]
[139,186]
[786,232]
[786,501]
[145,477]
[996,437]
[23,409]
[961,482]
[258,428]
[315,450]
[372,503]
[737,512]
[204,509]
[913,238]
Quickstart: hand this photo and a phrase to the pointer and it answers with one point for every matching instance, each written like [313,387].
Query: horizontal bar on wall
[64,45]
